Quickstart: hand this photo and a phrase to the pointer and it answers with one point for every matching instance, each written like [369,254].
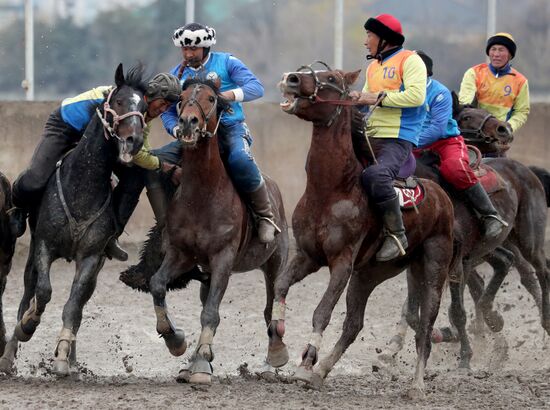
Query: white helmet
[194,35]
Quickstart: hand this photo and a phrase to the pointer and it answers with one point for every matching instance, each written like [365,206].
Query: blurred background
[77,43]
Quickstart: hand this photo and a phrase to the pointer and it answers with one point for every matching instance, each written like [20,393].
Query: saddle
[488,177]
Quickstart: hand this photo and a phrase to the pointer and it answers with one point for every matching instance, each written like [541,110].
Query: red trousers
[454,163]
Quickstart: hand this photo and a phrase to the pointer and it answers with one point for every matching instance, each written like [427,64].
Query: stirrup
[398,242]
[271,221]
[498,218]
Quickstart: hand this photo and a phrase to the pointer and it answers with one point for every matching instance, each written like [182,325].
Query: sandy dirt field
[123,364]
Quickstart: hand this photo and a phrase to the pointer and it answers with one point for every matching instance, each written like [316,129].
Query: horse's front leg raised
[83,287]
[340,272]
[200,369]
[30,278]
[174,264]
[300,267]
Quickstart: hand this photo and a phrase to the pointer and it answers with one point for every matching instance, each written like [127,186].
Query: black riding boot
[159,202]
[261,205]
[480,201]
[395,241]
[18,221]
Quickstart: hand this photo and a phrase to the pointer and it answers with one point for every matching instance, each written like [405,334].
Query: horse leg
[395,345]
[3,280]
[300,267]
[173,264]
[83,287]
[27,325]
[409,317]
[340,272]
[430,273]
[201,368]
[527,275]
[476,286]
[501,260]
[29,281]
[457,315]
[359,290]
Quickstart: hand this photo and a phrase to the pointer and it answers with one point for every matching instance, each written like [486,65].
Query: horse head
[122,113]
[480,128]
[316,95]
[200,110]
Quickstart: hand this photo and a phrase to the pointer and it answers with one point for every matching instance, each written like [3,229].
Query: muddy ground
[123,363]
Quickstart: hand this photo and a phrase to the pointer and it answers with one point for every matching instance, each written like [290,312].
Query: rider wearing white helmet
[238,84]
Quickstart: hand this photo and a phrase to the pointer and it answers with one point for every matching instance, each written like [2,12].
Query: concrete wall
[281,143]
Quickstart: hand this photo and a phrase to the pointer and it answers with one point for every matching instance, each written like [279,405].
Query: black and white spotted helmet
[194,35]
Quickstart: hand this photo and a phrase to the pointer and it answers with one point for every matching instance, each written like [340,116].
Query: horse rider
[440,135]
[64,128]
[238,84]
[397,77]
[498,87]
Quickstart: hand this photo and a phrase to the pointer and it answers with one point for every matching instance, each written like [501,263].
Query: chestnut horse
[208,225]
[335,225]
[522,202]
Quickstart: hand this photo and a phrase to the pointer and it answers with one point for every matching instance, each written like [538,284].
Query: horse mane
[135,77]
[223,103]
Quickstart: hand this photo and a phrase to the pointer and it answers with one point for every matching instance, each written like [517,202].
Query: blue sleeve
[441,109]
[245,79]
[170,116]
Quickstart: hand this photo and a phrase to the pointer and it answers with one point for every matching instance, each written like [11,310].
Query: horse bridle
[205,116]
[477,134]
[111,130]
[320,85]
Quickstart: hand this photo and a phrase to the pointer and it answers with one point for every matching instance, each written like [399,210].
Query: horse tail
[544,177]
[150,259]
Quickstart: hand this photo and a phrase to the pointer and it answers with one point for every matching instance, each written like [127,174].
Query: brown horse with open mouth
[336,226]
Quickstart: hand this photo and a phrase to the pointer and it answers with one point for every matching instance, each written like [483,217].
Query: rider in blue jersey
[238,84]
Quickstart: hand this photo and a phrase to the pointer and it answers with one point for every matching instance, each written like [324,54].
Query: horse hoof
[6,366]
[277,356]
[183,376]
[495,321]
[200,378]
[61,368]
[415,394]
[312,379]
[176,342]
[20,333]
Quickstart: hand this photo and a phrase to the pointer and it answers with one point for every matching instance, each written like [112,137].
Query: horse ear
[351,77]
[218,82]
[119,75]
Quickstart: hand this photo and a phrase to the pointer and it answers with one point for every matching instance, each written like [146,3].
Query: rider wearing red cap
[500,89]
[398,76]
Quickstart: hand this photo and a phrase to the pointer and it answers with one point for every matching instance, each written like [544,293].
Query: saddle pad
[410,197]
[489,179]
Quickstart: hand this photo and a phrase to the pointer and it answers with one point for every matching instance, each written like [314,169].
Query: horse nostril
[194,121]
[293,79]
[501,129]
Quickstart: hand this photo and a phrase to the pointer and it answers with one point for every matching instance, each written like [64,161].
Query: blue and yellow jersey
[503,93]
[402,75]
[78,111]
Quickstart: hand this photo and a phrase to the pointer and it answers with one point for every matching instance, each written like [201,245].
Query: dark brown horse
[7,248]
[208,225]
[335,226]
[522,202]
[76,218]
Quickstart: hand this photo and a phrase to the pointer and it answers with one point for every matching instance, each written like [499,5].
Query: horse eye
[211,99]
[118,101]
[466,118]
[331,79]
